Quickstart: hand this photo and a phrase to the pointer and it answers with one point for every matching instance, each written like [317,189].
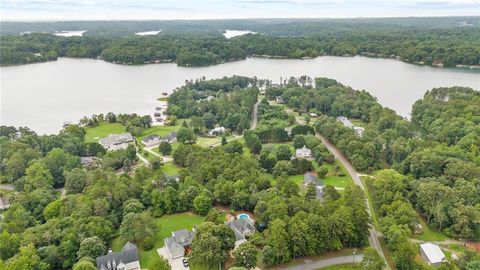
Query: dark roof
[128,254]
[240,227]
[150,137]
[311,178]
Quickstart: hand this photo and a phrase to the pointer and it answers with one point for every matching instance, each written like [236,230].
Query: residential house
[216,131]
[4,203]
[347,123]
[126,259]
[303,152]
[313,115]
[151,140]
[311,178]
[178,243]
[432,254]
[280,100]
[116,141]
[89,161]
[242,228]
[170,138]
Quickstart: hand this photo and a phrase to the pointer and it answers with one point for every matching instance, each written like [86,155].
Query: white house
[432,254]
[216,131]
[116,141]
[347,123]
[303,152]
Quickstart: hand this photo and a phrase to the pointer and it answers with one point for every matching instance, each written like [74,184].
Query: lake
[45,96]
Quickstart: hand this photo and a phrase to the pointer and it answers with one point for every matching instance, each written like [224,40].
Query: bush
[165,148]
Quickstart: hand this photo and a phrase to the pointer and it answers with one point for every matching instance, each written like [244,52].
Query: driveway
[176,264]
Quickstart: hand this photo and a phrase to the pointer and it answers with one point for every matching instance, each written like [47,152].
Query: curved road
[373,238]
[312,265]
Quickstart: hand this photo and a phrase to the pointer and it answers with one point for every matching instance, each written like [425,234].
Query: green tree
[165,148]
[206,249]
[27,258]
[76,181]
[371,260]
[137,226]
[246,256]
[159,263]
[298,141]
[186,135]
[9,245]
[84,265]
[322,171]
[202,204]
[91,247]
[278,240]
[37,176]
[284,152]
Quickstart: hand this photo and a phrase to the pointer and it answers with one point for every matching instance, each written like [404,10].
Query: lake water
[44,96]
[148,33]
[236,33]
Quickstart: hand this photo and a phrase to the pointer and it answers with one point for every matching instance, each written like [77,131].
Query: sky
[229,9]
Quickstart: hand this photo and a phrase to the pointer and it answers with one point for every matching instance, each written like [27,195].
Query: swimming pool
[244,216]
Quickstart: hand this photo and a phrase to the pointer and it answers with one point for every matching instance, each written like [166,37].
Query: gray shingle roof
[128,254]
[240,227]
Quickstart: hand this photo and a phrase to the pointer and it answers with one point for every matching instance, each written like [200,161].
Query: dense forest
[411,41]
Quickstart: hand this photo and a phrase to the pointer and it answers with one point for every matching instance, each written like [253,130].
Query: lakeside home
[116,141]
[154,139]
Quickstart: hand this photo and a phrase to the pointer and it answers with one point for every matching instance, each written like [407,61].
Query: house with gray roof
[126,259]
[116,141]
[242,229]
[303,152]
[178,242]
[311,178]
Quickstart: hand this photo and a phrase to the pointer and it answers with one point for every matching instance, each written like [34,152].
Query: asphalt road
[312,265]
[373,238]
[254,116]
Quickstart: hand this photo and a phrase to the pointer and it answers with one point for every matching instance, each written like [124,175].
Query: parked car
[185,262]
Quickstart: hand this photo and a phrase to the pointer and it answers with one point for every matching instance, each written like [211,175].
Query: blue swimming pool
[243,216]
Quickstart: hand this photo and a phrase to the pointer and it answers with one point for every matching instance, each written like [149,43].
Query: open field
[170,168]
[103,130]
[161,130]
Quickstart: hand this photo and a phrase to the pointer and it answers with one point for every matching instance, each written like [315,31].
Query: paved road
[373,238]
[254,116]
[143,159]
[312,265]
[10,187]
[444,242]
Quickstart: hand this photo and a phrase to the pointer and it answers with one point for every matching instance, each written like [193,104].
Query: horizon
[141,10]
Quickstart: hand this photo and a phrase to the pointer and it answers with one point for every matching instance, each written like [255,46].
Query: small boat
[164,93]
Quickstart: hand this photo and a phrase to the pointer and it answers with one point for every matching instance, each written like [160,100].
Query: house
[288,130]
[170,138]
[89,161]
[216,131]
[432,254]
[313,115]
[126,259]
[151,140]
[178,243]
[4,203]
[242,229]
[347,123]
[303,152]
[280,100]
[116,141]
[311,178]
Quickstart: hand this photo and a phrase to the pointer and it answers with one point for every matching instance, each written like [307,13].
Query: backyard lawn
[170,168]
[160,130]
[166,225]
[429,234]
[103,130]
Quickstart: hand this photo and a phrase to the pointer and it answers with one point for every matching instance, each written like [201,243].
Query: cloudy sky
[219,9]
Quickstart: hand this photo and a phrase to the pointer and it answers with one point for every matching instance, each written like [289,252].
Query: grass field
[103,130]
[161,130]
[428,233]
[166,225]
[170,168]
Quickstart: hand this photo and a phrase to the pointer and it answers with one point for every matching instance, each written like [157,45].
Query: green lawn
[161,130]
[349,266]
[170,168]
[334,180]
[207,141]
[297,179]
[428,233]
[103,130]
[166,225]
